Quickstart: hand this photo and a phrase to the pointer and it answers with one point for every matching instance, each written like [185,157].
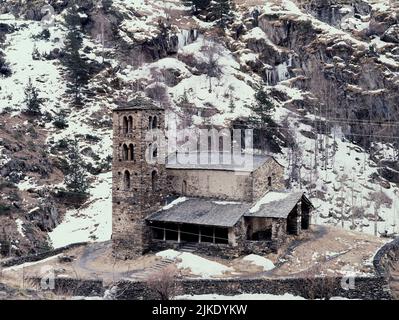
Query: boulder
[391,35]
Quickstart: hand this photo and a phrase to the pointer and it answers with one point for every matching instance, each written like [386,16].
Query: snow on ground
[45,75]
[91,223]
[199,266]
[260,261]
[285,7]
[224,89]
[348,162]
[20,227]
[246,296]
[143,17]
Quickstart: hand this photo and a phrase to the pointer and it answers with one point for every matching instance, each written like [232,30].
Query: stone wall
[373,288]
[75,287]
[386,257]
[217,184]
[227,185]
[39,256]
[270,168]
[224,251]
[130,205]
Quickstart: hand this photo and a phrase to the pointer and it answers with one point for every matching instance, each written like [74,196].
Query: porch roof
[199,211]
[276,205]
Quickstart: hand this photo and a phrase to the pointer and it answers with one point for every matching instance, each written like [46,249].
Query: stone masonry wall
[386,257]
[366,288]
[260,176]
[131,205]
[217,184]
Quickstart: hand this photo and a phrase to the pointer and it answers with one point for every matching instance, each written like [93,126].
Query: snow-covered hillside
[163,50]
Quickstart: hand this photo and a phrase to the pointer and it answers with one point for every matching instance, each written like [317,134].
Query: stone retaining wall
[39,256]
[75,287]
[223,251]
[366,288]
[386,257]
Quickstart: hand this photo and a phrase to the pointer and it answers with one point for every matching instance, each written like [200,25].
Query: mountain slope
[333,76]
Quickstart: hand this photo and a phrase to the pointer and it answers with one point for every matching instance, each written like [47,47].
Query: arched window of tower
[125,153]
[154,180]
[130,124]
[154,151]
[126,180]
[150,122]
[125,125]
[154,123]
[131,152]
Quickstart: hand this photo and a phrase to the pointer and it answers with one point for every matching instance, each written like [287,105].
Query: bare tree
[379,198]
[342,199]
[212,57]
[102,29]
[157,90]
[164,282]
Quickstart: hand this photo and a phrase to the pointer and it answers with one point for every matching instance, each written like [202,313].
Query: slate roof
[251,164]
[202,212]
[210,212]
[275,205]
[139,102]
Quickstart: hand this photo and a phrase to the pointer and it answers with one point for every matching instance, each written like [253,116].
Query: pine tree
[107,4]
[197,5]
[5,70]
[76,180]
[221,10]
[262,109]
[35,53]
[261,121]
[78,67]
[232,105]
[32,100]
[60,121]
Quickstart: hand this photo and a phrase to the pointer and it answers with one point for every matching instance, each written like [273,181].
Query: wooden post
[214,235]
[199,234]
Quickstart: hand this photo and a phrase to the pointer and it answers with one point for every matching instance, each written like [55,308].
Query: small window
[155,123]
[269,181]
[126,181]
[125,125]
[125,153]
[131,152]
[155,153]
[130,124]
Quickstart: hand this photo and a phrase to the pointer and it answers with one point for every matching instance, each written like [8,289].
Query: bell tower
[138,185]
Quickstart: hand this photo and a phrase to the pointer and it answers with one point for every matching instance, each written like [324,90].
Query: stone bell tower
[138,185]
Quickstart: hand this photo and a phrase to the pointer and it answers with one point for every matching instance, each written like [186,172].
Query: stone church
[212,209]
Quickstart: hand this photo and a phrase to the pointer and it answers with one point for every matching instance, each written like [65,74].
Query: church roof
[139,102]
[192,162]
[201,212]
[276,204]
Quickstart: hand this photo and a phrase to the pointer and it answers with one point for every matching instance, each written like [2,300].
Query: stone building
[218,208]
